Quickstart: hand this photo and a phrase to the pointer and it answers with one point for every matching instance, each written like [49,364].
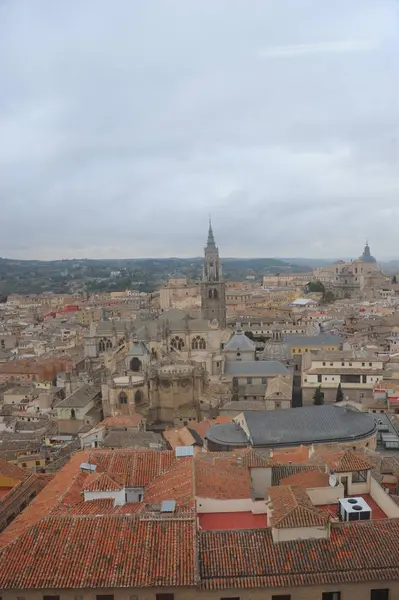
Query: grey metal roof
[80,397]
[324,339]
[228,434]
[295,426]
[239,341]
[255,368]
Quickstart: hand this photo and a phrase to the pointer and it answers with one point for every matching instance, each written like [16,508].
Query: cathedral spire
[211,239]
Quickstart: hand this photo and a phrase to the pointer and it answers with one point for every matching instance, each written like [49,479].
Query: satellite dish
[332,480]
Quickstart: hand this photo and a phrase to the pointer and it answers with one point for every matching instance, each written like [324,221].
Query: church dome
[366,256]
[276,350]
[239,342]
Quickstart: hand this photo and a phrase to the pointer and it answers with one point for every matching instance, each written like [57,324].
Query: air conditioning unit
[354,509]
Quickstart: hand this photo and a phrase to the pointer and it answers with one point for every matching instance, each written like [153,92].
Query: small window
[370,364]
[324,364]
[249,380]
[166,597]
[37,463]
[51,598]
[379,594]
[281,597]
[331,596]
[363,364]
[359,476]
[105,597]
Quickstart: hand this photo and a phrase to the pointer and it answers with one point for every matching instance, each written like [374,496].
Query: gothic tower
[213,289]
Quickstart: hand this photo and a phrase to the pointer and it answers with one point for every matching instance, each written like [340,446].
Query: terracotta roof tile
[308,479]
[101,483]
[177,483]
[221,478]
[101,552]
[296,456]
[292,507]
[345,461]
[250,559]
[137,467]
[122,421]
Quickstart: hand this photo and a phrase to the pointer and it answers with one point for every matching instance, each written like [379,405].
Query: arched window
[122,398]
[198,343]
[135,364]
[177,343]
[213,293]
[101,346]
[138,397]
[108,344]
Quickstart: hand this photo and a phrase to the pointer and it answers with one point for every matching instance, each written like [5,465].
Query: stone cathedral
[161,368]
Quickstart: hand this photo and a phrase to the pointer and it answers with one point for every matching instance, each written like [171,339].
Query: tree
[315,286]
[394,279]
[340,394]
[318,397]
[328,297]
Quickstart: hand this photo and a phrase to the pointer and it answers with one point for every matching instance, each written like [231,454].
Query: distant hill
[63,276]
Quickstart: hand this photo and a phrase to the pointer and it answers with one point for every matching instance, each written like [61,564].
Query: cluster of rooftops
[228,520]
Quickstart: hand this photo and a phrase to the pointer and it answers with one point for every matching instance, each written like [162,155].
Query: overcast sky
[124,123]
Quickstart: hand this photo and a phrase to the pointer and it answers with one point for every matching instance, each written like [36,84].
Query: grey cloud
[123,124]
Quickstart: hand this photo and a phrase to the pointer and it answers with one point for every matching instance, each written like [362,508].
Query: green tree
[315,286]
[394,279]
[328,297]
[318,397]
[340,394]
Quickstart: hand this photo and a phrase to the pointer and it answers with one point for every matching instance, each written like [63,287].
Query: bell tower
[213,289]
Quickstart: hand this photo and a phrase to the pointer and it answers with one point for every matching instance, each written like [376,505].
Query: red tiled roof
[139,467]
[101,483]
[221,478]
[292,507]
[177,483]
[346,461]
[307,479]
[296,456]
[136,467]
[251,458]
[250,559]
[101,552]
[122,421]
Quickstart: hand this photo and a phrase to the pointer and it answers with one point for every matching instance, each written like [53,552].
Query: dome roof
[366,256]
[239,341]
[276,350]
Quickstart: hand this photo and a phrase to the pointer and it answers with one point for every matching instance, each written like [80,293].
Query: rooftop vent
[168,506]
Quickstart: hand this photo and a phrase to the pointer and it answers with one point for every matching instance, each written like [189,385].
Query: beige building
[178,292]
[356,371]
[361,278]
